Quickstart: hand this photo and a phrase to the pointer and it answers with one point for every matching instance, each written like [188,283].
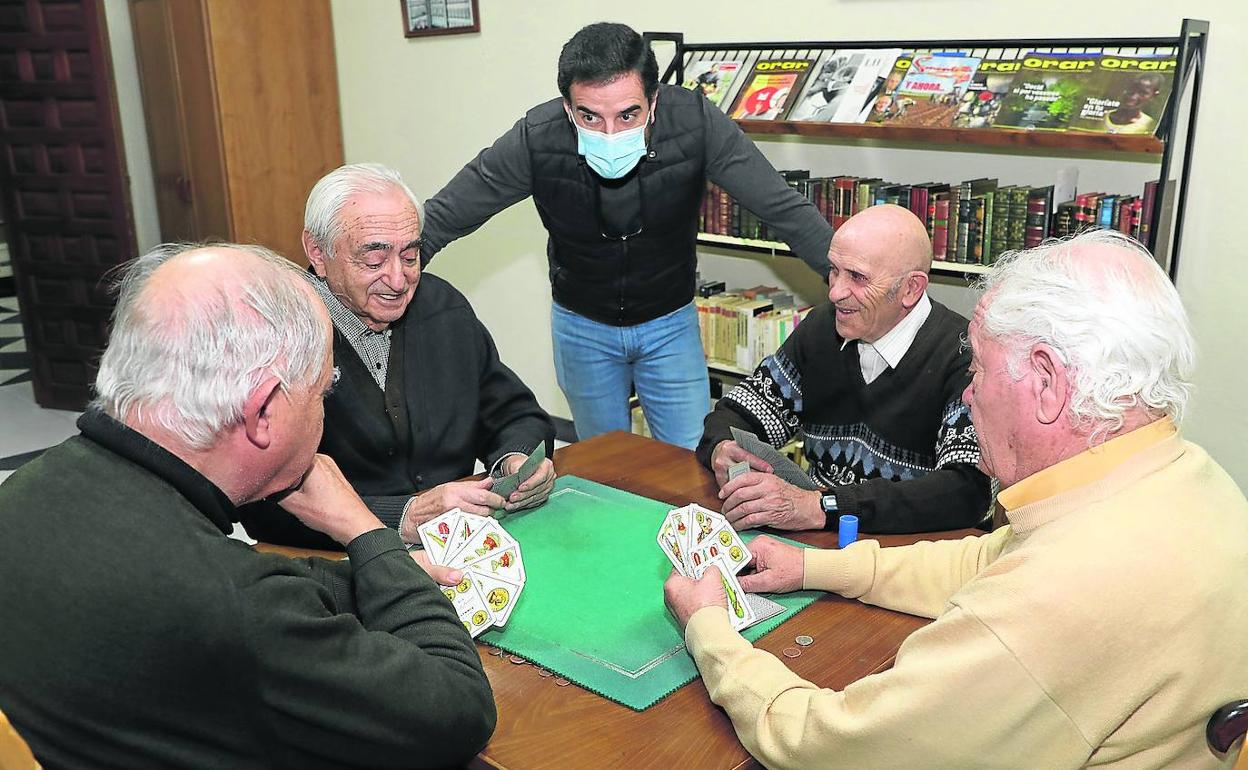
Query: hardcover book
[771,89]
[1045,91]
[1125,95]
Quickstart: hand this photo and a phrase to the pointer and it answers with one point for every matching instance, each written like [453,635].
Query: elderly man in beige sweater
[1102,626]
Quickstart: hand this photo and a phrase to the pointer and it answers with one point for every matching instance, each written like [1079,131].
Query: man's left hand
[765,500]
[535,489]
[685,596]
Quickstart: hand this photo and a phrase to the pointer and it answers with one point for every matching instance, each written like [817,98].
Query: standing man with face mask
[617,168]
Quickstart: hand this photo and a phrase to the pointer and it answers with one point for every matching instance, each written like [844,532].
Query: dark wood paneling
[62,172]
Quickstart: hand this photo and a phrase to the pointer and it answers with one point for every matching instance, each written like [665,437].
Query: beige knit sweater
[1102,627]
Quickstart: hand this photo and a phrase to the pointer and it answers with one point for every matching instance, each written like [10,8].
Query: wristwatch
[827,504]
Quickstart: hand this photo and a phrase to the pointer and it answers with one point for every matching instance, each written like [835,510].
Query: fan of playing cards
[694,538]
[490,560]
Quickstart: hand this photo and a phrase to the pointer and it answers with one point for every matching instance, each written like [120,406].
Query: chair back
[1226,728]
[14,753]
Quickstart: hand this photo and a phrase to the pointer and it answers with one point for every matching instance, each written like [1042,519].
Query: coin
[496,651]
[804,640]
[519,661]
[543,673]
[791,652]
[562,682]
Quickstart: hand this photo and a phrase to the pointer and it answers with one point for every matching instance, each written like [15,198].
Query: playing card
[464,528]
[723,544]
[435,534]
[470,606]
[704,521]
[489,537]
[504,564]
[782,466]
[508,484]
[736,469]
[671,542]
[739,610]
[500,595]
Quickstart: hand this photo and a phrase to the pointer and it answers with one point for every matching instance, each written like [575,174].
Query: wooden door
[63,185]
[171,42]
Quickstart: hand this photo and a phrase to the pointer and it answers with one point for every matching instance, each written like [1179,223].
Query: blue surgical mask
[611,156]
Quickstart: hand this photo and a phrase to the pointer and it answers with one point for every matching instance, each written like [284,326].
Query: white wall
[428,105]
[133,126]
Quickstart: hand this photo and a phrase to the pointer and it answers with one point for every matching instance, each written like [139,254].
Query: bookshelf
[778,249]
[1168,150]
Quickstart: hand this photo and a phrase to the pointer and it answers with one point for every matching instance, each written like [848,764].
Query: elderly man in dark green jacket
[137,634]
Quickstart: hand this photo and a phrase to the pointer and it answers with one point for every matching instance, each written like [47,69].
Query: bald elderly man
[138,634]
[873,382]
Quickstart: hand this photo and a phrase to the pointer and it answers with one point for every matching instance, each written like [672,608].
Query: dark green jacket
[134,633]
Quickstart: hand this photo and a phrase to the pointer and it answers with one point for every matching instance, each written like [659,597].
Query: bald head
[890,237]
[879,260]
[198,327]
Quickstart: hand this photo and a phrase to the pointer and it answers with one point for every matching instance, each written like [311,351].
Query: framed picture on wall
[422,18]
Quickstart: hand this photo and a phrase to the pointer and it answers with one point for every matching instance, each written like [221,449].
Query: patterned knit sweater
[900,453]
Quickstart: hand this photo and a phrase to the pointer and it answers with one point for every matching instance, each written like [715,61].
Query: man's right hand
[776,567]
[326,502]
[467,496]
[728,453]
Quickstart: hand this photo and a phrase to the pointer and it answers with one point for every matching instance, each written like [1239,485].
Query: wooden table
[543,725]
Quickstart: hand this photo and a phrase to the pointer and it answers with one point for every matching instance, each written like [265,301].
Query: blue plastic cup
[847,532]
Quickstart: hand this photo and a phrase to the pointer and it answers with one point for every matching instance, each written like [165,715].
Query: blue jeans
[597,363]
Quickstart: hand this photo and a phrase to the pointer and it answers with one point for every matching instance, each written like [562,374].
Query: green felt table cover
[592,608]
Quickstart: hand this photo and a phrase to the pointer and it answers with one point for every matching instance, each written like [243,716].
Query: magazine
[1045,91]
[713,78]
[982,100]
[769,91]
[843,85]
[929,94]
[1125,95]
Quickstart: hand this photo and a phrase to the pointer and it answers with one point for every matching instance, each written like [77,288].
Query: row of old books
[972,222]
[742,327]
[1100,92]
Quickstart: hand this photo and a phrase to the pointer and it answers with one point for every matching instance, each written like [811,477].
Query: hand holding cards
[694,538]
[490,560]
[780,465]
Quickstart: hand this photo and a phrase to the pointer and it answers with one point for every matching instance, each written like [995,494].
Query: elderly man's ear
[257,412]
[313,252]
[913,288]
[1049,383]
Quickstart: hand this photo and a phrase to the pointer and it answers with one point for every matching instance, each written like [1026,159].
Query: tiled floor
[25,429]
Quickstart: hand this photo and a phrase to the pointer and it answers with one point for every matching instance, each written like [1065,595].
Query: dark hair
[602,52]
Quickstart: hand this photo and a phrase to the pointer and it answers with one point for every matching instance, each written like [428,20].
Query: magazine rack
[1173,140]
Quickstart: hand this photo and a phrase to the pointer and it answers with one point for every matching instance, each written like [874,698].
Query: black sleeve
[734,163]
[509,418]
[498,177]
[375,670]
[953,496]
[765,403]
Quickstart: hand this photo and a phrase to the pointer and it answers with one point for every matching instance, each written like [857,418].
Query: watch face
[828,503]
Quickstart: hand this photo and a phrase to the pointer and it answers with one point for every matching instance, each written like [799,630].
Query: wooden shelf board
[978,137]
[779,249]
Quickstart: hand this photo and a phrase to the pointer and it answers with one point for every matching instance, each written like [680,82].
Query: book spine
[940,228]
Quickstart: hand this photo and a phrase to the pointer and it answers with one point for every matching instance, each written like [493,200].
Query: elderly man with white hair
[138,634]
[1102,626]
[423,393]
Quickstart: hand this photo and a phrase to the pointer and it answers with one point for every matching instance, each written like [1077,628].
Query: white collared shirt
[887,351]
